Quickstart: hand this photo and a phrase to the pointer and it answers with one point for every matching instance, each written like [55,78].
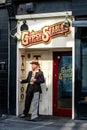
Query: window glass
[65,81]
[84,68]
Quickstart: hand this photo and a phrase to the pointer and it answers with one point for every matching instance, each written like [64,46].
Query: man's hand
[20,80]
[33,80]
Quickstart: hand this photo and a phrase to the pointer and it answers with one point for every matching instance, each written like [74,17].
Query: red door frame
[57,111]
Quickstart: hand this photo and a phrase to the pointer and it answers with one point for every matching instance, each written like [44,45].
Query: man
[34,79]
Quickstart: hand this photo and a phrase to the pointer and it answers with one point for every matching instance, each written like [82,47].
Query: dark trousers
[28,100]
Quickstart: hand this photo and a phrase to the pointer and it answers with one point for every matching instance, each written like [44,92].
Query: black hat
[34,62]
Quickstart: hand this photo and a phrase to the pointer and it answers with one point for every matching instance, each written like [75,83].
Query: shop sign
[44,35]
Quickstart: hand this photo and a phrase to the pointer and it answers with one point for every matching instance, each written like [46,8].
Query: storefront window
[84,69]
[81,74]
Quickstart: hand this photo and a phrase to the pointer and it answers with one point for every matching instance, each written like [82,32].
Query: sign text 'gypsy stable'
[44,35]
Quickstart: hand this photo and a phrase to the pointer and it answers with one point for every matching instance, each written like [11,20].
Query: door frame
[61,112]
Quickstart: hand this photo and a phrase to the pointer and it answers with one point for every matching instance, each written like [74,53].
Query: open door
[62,83]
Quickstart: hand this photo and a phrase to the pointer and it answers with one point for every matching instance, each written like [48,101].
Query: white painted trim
[43,15]
[73,81]
[17,93]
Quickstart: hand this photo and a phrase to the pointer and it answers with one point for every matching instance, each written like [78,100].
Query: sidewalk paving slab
[43,120]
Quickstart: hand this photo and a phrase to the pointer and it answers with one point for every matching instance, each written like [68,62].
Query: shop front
[45,38]
[80,68]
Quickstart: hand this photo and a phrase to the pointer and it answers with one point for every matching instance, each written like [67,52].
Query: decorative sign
[65,73]
[44,35]
[22,87]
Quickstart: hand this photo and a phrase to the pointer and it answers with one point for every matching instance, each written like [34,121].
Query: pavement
[43,123]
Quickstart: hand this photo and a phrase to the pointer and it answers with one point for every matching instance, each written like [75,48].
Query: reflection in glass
[84,69]
[64,81]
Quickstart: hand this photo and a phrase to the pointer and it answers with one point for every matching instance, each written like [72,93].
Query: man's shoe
[23,116]
[36,119]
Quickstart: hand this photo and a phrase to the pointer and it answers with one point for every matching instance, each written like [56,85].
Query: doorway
[62,83]
[24,57]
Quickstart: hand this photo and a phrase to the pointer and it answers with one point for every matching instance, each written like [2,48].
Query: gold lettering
[60,76]
[45,35]
[62,70]
[24,38]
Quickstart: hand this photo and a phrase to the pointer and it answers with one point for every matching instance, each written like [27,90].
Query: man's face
[34,66]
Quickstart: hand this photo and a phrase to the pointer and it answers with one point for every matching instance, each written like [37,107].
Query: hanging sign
[44,35]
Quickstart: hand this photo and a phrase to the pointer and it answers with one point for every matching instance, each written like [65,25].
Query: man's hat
[34,62]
